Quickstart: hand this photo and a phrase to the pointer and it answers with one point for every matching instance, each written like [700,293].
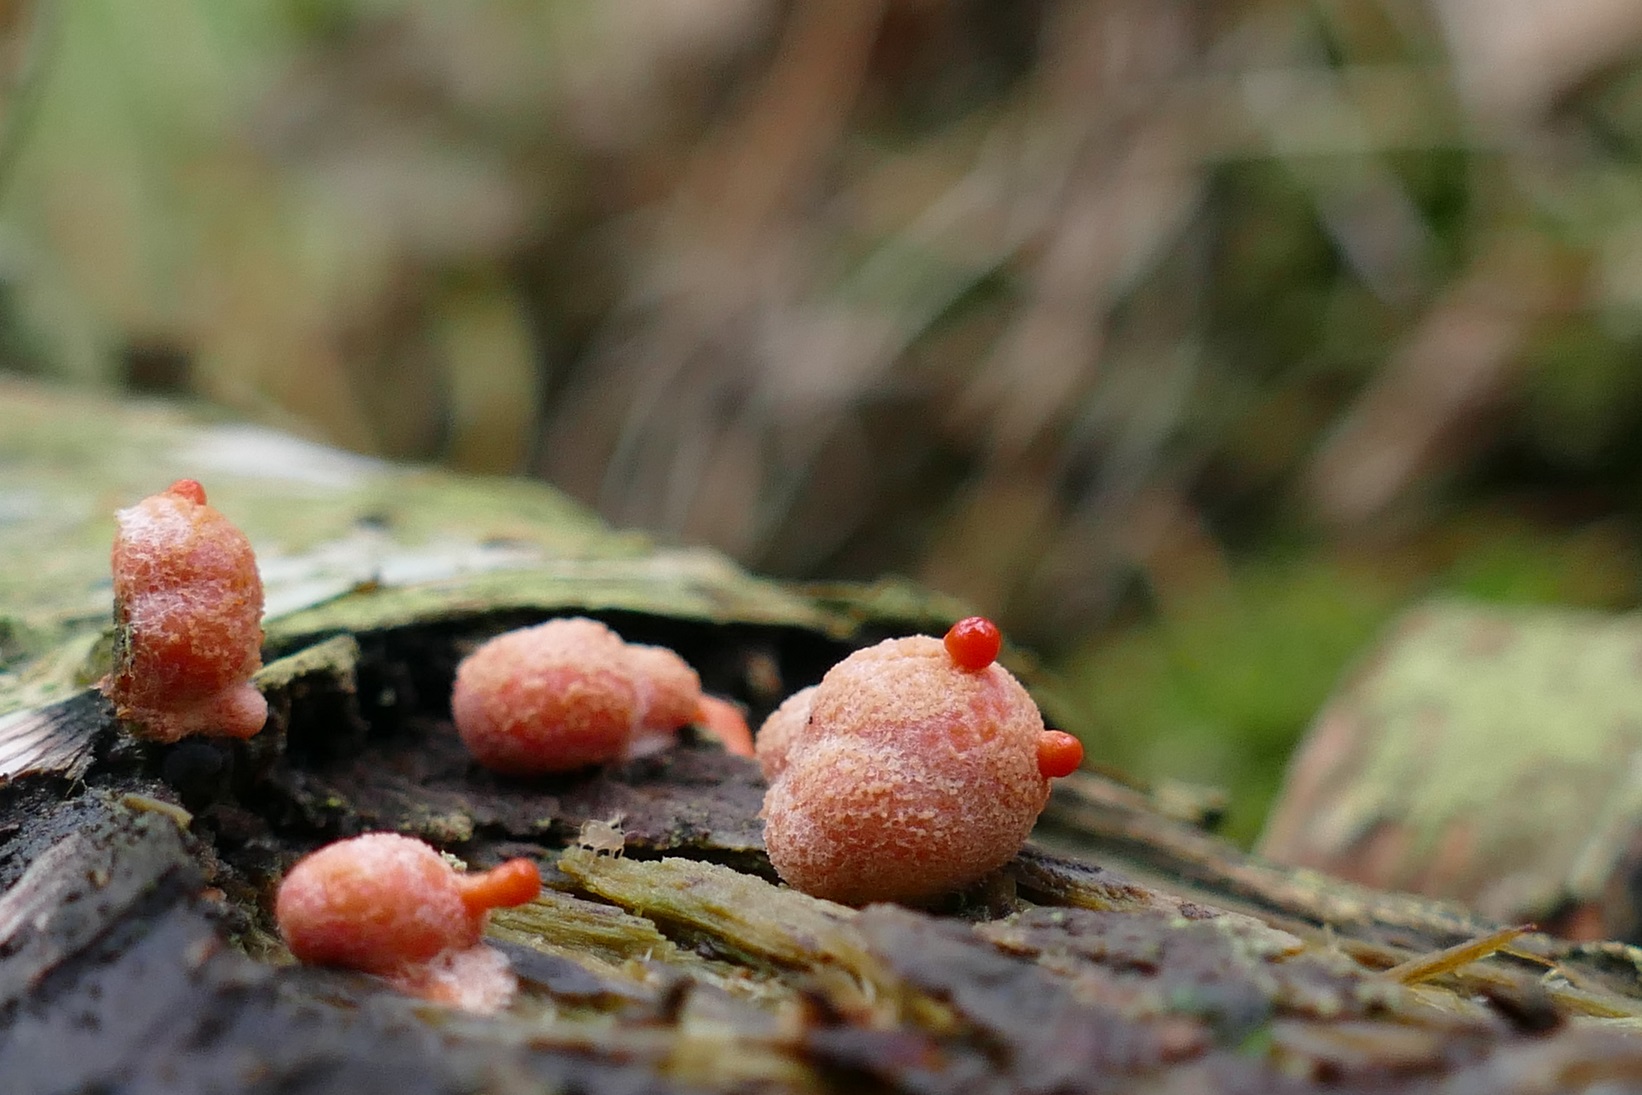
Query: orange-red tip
[189,489]
[724,721]
[973,643]
[1059,754]
[513,883]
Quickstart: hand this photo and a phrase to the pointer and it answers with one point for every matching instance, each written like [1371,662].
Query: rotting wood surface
[137,954]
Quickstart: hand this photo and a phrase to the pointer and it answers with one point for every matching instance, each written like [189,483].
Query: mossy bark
[137,953]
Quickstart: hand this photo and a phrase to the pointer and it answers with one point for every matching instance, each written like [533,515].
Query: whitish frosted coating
[390,905]
[910,778]
[188,620]
[776,735]
[477,979]
[569,693]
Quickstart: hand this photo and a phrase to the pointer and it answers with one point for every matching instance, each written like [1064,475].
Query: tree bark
[1124,950]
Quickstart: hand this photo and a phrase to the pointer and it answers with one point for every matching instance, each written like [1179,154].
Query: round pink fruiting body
[550,698]
[391,905]
[776,735]
[669,690]
[188,620]
[569,693]
[374,903]
[910,777]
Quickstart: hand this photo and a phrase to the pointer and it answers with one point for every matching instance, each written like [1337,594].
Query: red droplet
[974,643]
[1059,754]
[189,489]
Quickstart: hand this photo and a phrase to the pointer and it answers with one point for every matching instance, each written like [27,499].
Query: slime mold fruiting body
[725,721]
[570,692]
[973,643]
[669,694]
[390,905]
[775,737]
[910,771]
[546,699]
[1059,754]
[187,618]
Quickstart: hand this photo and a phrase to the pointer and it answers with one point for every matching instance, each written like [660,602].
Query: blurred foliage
[1190,340]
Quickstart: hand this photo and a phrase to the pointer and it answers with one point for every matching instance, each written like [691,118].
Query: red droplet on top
[189,489]
[974,643]
[1059,754]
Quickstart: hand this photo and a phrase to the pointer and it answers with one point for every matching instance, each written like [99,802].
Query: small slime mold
[187,620]
[392,906]
[913,769]
[571,692]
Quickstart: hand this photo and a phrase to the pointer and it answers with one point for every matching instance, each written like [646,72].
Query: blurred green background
[1192,341]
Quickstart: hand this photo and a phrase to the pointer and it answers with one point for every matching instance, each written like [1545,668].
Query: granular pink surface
[669,690]
[776,735]
[910,777]
[391,905]
[188,620]
[569,693]
[550,698]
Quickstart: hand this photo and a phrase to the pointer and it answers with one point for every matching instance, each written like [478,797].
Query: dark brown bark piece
[1041,1036]
[115,977]
[422,781]
[1232,974]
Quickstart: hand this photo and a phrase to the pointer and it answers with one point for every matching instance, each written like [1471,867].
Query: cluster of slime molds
[914,768]
[391,905]
[187,618]
[571,692]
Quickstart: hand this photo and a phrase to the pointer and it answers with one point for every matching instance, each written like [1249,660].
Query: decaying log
[1124,951]
[1489,754]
